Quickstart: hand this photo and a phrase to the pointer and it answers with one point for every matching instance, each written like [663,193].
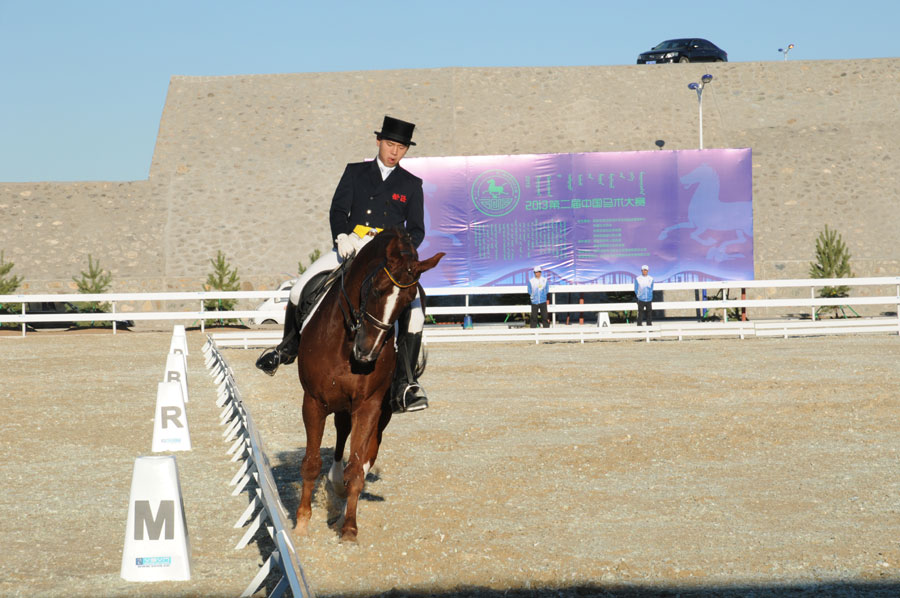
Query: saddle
[315,289]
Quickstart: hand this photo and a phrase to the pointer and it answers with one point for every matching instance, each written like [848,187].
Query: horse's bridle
[354,318]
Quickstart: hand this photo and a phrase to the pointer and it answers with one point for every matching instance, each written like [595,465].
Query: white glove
[346,248]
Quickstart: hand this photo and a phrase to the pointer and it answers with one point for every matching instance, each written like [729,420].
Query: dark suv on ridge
[688,49]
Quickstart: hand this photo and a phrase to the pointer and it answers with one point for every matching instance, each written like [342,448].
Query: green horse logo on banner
[495,193]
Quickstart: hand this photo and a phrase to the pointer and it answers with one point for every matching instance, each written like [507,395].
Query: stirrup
[269,361]
[409,399]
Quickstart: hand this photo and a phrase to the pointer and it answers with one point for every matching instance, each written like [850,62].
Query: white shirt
[385,171]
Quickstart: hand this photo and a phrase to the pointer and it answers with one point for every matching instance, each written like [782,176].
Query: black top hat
[396,130]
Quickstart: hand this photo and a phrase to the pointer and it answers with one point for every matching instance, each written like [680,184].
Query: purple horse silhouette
[706,212]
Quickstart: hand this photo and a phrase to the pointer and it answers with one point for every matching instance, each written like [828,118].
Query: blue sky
[85,81]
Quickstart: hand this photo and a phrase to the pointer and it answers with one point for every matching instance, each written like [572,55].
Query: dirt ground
[758,467]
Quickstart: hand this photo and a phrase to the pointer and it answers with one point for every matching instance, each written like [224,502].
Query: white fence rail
[250,339]
[881,291]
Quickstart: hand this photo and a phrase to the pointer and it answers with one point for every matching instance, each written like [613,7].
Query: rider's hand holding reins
[346,248]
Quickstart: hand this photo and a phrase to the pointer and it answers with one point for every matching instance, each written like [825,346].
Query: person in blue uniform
[643,291]
[537,292]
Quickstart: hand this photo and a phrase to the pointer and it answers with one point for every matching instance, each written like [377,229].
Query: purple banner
[587,218]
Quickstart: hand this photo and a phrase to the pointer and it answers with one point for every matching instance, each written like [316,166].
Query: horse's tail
[421,363]
[421,296]
[423,354]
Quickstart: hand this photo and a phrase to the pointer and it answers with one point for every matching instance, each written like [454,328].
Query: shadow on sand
[287,477]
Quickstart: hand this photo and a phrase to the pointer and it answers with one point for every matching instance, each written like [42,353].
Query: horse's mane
[378,245]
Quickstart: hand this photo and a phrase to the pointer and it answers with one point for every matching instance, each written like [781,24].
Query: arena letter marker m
[157,547]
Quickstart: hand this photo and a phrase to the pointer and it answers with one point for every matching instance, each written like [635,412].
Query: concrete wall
[247,164]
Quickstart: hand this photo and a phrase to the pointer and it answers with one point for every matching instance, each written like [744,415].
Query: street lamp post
[786,50]
[698,87]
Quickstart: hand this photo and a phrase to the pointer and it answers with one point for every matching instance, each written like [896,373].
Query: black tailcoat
[363,198]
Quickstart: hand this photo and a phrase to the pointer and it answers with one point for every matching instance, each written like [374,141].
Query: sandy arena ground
[762,467]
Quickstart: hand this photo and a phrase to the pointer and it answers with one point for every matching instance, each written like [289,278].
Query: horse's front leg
[375,439]
[336,473]
[365,424]
[314,421]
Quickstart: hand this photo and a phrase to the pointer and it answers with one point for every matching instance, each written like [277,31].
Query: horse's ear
[430,263]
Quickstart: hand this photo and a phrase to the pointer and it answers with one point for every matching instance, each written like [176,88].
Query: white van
[272,309]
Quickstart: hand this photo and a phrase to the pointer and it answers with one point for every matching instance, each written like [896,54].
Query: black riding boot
[286,351]
[407,394]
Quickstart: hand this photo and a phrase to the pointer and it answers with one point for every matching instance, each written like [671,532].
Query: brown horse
[346,363]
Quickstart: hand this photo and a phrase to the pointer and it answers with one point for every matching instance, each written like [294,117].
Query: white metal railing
[115,300]
[890,296]
[886,293]
[270,512]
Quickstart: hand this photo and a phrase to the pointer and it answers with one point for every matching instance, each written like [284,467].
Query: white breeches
[329,261]
[326,262]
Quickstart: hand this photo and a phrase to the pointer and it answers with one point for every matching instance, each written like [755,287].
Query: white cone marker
[157,547]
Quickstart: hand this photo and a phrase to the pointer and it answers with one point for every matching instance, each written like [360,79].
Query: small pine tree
[8,284]
[832,261]
[313,256]
[94,281]
[222,278]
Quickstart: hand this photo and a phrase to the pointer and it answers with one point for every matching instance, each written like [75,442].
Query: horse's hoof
[348,536]
[301,528]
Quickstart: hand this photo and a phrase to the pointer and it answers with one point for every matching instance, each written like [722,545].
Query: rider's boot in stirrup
[286,351]
[407,394]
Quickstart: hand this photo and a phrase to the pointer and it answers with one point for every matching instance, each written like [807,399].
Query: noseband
[354,317]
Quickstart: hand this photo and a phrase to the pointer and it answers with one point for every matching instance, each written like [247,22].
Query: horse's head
[391,269]
[702,173]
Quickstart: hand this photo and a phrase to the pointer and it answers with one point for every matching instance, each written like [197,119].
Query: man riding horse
[370,196]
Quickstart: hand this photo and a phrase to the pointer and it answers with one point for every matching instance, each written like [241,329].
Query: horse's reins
[402,286]
[354,318]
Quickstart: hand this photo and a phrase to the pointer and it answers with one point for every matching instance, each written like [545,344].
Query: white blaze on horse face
[387,314]
[390,304]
